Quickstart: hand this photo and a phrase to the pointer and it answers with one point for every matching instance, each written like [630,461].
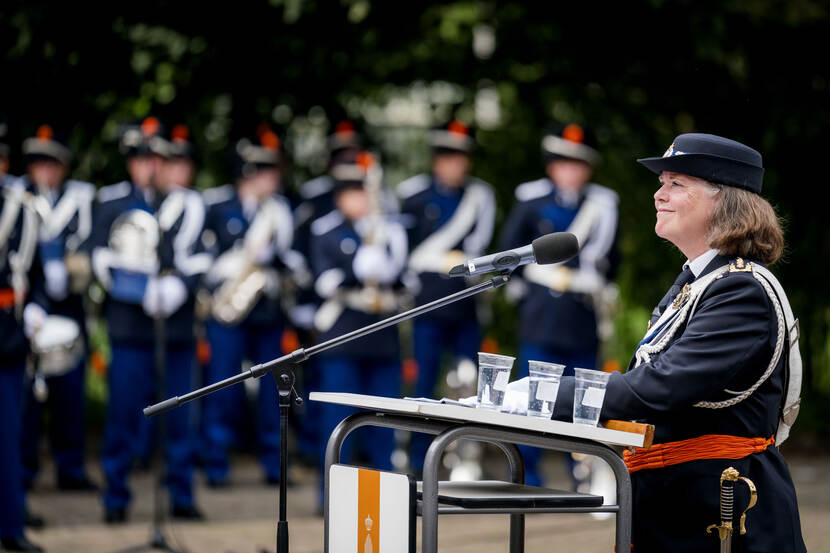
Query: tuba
[243,280]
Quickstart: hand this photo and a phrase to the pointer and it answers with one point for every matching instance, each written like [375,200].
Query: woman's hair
[745,225]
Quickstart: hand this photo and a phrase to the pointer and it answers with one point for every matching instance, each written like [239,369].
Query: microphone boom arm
[301,354]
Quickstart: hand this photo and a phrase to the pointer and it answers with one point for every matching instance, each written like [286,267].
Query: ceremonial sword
[727,500]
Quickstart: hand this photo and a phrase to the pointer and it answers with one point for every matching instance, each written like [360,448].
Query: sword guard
[723,530]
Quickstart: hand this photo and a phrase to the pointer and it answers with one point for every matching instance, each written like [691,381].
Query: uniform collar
[701,262]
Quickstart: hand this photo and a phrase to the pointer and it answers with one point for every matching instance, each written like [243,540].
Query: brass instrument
[243,280]
[725,529]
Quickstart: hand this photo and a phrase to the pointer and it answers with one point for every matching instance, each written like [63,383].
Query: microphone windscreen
[555,247]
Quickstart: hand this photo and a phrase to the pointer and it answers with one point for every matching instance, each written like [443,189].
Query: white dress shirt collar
[700,262]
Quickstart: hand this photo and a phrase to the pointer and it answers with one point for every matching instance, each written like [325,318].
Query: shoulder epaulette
[113,191]
[533,190]
[316,187]
[602,193]
[218,194]
[412,185]
[327,223]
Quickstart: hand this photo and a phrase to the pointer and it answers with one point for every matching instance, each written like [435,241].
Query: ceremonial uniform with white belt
[316,199]
[58,382]
[718,374]
[357,265]
[445,225]
[144,281]
[250,240]
[21,283]
[557,313]
[558,316]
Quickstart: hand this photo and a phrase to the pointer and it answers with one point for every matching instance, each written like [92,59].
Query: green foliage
[637,72]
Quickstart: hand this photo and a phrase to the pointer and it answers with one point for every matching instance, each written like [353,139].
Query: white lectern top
[481,416]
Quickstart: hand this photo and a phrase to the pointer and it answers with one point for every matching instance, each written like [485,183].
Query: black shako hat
[144,139]
[712,158]
[180,145]
[46,145]
[453,137]
[262,152]
[570,141]
[352,174]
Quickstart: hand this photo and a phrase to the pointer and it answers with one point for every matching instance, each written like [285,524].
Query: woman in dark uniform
[713,369]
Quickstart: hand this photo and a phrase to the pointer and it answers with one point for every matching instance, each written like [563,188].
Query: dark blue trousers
[571,359]
[224,411]
[132,387]
[432,339]
[347,374]
[11,471]
[65,403]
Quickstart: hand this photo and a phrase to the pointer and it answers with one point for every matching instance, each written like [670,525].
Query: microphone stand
[281,368]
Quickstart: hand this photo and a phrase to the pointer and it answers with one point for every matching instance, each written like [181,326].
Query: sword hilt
[727,499]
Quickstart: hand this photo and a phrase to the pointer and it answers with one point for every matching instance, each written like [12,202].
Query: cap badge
[671,152]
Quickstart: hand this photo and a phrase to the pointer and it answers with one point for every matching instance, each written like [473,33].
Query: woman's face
[684,209]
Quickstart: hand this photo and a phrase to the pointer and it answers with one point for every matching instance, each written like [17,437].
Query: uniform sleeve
[331,266]
[190,259]
[727,337]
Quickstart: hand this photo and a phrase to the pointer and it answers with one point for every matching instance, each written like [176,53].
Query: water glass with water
[543,385]
[589,393]
[493,376]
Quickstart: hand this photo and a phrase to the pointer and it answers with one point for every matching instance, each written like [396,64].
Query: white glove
[33,318]
[164,296]
[57,279]
[372,264]
[515,397]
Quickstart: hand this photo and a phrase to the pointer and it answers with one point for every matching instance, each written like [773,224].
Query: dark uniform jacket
[226,226]
[67,231]
[334,246]
[563,320]
[427,209]
[179,253]
[17,242]
[727,344]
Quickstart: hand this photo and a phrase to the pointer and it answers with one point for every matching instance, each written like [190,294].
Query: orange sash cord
[710,446]
[6,298]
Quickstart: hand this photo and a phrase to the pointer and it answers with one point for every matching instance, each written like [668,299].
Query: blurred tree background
[637,73]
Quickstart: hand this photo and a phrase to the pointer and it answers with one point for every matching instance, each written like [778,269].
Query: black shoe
[31,520]
[115,516]
[18,544]
[186,513]
[83,484]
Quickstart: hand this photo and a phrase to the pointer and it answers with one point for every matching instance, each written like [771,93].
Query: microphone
[550,248]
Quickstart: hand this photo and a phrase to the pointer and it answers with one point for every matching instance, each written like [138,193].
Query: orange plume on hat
[44,132]
[150,126]
[180,133]
[365,160]
[574,133]
[344,128]
[268,138]
[457,127]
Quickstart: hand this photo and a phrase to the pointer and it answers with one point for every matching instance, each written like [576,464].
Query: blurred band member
[146,256]
[63,252]
[316,200]
[557,314]
[23,305]
[358,256]
[249,232]
[449,218]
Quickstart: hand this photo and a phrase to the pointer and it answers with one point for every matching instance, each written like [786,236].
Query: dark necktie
[682,279]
